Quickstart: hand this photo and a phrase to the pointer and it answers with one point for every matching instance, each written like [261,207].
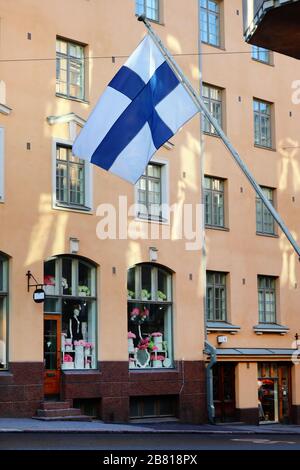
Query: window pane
[216,296]
[78,332]
[70,69]
[146,282]
[131,284]
[51,278]
[84,280]
[66,282]
[164,285]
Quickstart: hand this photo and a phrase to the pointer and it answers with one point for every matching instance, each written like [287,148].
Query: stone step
[58,412]
[55,405]
[63,418]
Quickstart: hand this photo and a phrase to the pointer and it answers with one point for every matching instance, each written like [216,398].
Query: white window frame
[165,194]
[88,183]
[1,164]
[158,10]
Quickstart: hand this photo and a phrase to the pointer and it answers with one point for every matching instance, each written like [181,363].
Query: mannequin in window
[75,326]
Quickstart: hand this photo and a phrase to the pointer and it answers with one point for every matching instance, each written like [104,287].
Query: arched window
[149,317]
[3,311]
[70,287]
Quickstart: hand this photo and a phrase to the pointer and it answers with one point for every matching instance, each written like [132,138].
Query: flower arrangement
[68,358]
[84,290]
[146,343]
[49,280]
[131,335]
[161,295]
[89,345]
[144,314]
[134,313]
[155,357]
[81,342]
[130,294]
[145,294]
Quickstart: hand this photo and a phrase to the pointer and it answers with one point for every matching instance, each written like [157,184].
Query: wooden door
[52,347]
[284,393]
[224,391]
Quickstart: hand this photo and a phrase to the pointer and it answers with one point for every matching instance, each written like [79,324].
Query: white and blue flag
[143,106]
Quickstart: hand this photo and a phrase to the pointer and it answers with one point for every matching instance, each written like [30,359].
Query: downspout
[208,348]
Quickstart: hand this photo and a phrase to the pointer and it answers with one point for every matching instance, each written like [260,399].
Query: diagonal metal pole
[202,108]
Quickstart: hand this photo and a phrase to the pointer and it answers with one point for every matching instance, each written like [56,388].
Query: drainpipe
[208,348]
[211,350]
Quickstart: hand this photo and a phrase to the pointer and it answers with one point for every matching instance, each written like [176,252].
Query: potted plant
[130,294]
[161,296]
[68,362]
[145,295]
[157,338]
[157,360]
[83,291]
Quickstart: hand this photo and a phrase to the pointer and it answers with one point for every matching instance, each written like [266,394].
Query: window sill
[270,64]
[71,98]
[80,210]
[5,109]
[151,20]
[211,134]
[268,235]
[262,147]
[153,369]
[215,227]
[219,47]
[212,326]
[272,328]
[141,218]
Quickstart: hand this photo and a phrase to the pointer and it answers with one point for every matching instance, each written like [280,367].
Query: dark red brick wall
[21,389]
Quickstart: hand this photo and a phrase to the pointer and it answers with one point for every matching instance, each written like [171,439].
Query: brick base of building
[111,387]
[248,415]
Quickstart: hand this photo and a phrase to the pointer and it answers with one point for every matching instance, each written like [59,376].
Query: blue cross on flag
[143,106]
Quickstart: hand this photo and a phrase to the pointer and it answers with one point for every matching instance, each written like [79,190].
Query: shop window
[70,287]
[149,317]
[151,407]
[3,311]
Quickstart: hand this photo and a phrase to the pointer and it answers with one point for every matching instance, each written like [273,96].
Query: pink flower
[134,313]
[157,333]
[68,358]
[131,335]
[49,280]
[155,348]
[89,345]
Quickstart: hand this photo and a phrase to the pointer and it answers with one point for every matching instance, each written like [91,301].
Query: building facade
[129,300]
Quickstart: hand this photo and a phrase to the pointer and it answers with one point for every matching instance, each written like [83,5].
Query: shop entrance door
[224,392]
[52,346]
[274,398]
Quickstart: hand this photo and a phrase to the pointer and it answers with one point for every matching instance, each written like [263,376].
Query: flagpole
[202,108]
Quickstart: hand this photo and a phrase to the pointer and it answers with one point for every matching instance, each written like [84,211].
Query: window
[1,164]
[262,123]
[267,299]
[216,296]
[214,201]
[70,287]
[70,178]
[212,97]
[149,192]
[261,54]
[210,22]
[149,317]
[3,311]
[264,220]
[69,69]
[148,7]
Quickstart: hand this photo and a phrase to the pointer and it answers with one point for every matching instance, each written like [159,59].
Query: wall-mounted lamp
[153,253]
[74,245]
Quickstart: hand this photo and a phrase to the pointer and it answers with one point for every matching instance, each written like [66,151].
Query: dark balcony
[274,25]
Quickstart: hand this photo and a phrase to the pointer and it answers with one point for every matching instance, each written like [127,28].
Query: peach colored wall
[31,230]
[246,385]
[240,251]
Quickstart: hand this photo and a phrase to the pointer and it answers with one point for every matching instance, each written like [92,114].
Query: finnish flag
[142,107]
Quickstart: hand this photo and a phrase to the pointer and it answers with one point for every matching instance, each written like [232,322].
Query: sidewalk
[14,425]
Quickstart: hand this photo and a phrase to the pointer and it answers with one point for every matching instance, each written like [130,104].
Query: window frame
[168,302]
[2,168]
[210,102]
[164,193]
[211,191]
[264,291]
[258,113]
[255,55]
[143,11]
[214,286]
[4,294]
[88,182]
[68,58]
[59,296]
[265,212]
[207,11]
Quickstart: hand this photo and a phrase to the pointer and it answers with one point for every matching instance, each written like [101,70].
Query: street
[126,441]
